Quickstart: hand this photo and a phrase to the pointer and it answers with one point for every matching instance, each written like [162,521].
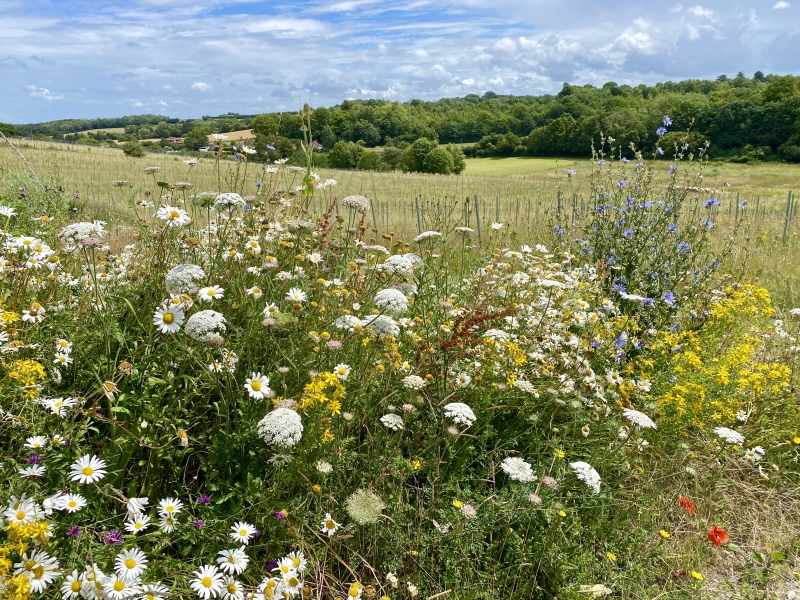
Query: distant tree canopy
[742,117]
[9,130]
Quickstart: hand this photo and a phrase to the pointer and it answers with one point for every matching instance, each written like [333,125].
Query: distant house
[317,146]
[175,140]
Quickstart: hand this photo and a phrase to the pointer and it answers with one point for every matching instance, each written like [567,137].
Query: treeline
[744,118]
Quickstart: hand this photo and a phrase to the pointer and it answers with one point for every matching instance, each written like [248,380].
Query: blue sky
[188,58]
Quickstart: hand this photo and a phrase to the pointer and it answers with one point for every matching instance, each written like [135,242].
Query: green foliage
[8,129]
[414,155]
[198,136]
[371,161]
[133,149]
[438,160]
[345,155]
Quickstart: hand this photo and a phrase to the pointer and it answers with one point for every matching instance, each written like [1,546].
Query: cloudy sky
[188,58]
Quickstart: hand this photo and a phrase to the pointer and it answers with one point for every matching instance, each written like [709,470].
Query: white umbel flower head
[364,507]
[414,382]
[586,473]
[639,419]
[382,326]
[729,435]
[460,413]
[392,301]
[206,326]
[228,202]
[518,470]
[356,203]
[392,421]
[183,279]
[397,264]
[281,427]
[72,235]
[427,235]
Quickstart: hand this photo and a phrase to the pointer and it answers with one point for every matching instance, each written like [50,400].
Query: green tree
[266,125]
[393,157]
[415,154]
[459,160]
[198,136]
[345,155]
[133,149]
[8,130]
[370,161]
[438,160]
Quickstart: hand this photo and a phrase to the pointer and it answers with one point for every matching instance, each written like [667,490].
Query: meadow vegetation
[249,380]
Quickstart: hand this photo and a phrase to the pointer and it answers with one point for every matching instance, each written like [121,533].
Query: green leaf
[733,547]
[120,409]
[777,556]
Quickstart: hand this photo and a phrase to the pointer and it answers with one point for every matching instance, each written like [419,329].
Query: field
[463,388]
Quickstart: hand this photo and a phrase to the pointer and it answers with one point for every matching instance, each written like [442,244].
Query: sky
[188,58]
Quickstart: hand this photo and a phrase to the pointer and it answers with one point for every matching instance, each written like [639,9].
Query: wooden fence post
[478,217]
[786,220]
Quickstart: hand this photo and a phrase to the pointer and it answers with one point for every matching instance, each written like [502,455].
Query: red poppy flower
[687,504]
[718,536]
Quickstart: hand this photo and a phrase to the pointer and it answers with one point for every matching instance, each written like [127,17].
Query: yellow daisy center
[206,581]
[20,515]
[243,532]
[256,385]
[88,471]
[119,586]
[168,318]
[38,571]
[174,214]
[76,586]
[130,563]
[232,589]
[330,524]
[72,504]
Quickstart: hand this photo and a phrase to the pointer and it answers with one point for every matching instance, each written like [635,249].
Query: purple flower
[76,195]
[673,228]
[204,499]
[280,515]
[684,247]
[559,230]
[199,523]
[622,183]
[272,564]
[269,147]
[661,131]
[668,298]
[257,184]
[639,165]
[622,340]
[34,459]
[666,121]
[74,532]
[597,345]
[660,151]
[645,302]
[601,162]
[627,233]
[672,169]
[22,193]
[611,260]
[570,172]
[625,160]
[237,157]
[708,224]
[113,538]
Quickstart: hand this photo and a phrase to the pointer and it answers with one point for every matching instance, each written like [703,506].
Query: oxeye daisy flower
[257,385]
[118,587]
[242,532]
[32,471]
[211,293]
[231,589]
[71,588]
[40,568]
[131,563]
[168,318]
[72,503]
[298,560]
[271,310]
[35,442]
[138,524]
[296,295]
[233,561]
[166,524]
[63,346]
[88,469]
[173,215]
[255,292]
[342,371]
[169,507]
[328,525]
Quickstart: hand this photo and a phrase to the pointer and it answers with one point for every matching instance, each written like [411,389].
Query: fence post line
[559,204]
[497,209]
[786,220]
[419,218]
[516,219]
[478,217]
[737,207]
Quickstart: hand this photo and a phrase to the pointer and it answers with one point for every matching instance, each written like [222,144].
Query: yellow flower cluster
[315,393]
[19,538]
[718,371]
[29,373]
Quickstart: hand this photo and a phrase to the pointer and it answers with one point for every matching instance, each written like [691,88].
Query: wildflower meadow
[250,393]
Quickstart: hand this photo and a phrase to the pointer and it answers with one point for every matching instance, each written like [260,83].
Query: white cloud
[701,11]
[497,81]
[202,86]
[468,82]
[677,8]
[37,92]
[781,4]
